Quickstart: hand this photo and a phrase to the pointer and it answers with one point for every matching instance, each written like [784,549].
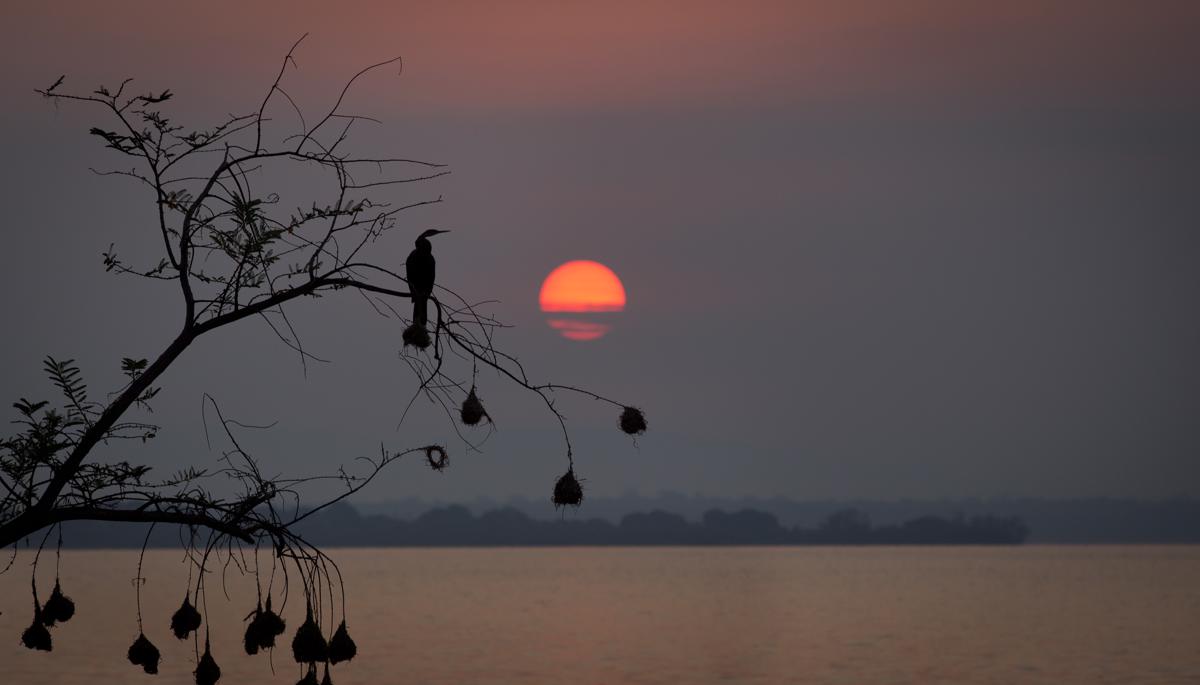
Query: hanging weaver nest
[59,608]
[309,645]
[326,680]
[568,491]
[185,619]
[265,625]
[472,409]
[416,336]
[341,646]
[143,653]
[633,421]
[36,636]
[437,457]
[310,678]
[207,671]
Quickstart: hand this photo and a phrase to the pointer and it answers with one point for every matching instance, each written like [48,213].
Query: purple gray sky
[871,249]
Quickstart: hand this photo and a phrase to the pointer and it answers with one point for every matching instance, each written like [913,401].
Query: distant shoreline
[455,526]
[535,524]
[1090,520]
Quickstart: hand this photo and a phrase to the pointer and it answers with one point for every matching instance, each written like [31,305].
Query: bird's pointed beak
[432,232]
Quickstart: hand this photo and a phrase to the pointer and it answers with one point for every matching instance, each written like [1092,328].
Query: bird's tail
[420,310]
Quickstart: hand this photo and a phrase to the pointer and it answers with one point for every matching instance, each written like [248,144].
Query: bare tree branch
[237,252]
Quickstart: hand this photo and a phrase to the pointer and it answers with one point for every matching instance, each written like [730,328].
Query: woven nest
[472,409]
[633,421]
[568,491]
[326,680]
[185,619]
[265,625]
[310,677]
[207,671]
[309,645]
[143,653]
[36,636]
[341,646]
[59,608]
[416,336]
[437,457]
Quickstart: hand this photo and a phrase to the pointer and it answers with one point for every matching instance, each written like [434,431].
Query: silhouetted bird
[422,269]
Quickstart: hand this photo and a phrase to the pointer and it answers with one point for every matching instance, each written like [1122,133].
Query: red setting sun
[581,286]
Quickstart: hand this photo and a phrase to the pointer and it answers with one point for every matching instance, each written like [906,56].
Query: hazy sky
[871,249]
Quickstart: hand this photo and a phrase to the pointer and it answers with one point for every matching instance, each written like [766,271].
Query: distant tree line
[456,526]
[1095,520]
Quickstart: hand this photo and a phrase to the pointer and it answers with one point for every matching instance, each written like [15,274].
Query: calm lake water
[1034,614]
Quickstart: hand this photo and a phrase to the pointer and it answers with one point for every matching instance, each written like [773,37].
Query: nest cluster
[341,647]
[437,457]
[568,491]
[472,411]
[633,421]
[36,636]
[143,653]
[185,619]
[265,625]
[207,671]
[58,609]
[309,644]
